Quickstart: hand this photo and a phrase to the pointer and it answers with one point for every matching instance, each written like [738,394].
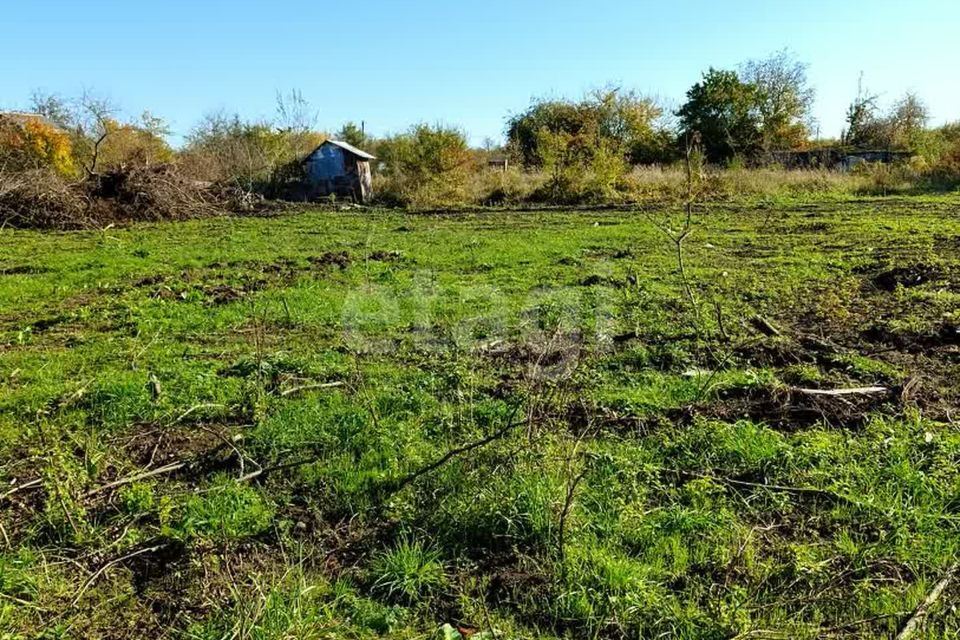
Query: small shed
[338,168]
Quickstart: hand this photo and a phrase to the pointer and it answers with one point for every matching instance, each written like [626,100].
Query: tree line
[581,149]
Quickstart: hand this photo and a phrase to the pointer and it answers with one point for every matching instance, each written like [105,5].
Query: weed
[408,572]
[228,511]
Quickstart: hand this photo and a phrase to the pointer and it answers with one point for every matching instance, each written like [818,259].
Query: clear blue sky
[465,63]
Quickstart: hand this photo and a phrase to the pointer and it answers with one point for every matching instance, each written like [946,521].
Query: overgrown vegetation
[612,146]
[493,425]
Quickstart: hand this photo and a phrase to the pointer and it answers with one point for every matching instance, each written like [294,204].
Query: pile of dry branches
[43,199]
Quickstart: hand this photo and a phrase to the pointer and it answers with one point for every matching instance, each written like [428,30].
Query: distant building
[21,119]
[837,158]
[499,164]
[854,158]
[340,169]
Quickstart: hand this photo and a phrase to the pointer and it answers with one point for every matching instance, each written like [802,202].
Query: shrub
[134,144]
[34,144]
[256,156]
[492,187]
[623,123]
[426,166]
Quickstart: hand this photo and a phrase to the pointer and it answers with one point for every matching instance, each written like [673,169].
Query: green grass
[373,424]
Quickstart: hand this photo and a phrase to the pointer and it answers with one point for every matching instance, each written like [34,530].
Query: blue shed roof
[349,148]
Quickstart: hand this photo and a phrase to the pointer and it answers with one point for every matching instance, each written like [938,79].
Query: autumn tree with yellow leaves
[31,142]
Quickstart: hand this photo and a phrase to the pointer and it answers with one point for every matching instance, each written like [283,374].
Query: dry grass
[498,188]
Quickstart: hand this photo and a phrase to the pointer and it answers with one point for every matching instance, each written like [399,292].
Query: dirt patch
[23,270]
[775,352]
[508,585]
[792,410]
[596,280]
[943,335]
[162,574]
[814,227]
[553,357]
[908,276]
[340,259]
[205,448]
[48,323]
[592,280]
[219,283]
[612,253]
[225,294]
[150,281]
[386,256]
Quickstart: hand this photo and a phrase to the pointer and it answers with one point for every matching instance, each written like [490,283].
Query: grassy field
[496,425]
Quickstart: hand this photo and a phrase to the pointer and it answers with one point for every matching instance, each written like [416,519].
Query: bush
[255,156]
[625,124]
[134,145]
[35,144]
[426,166]
[945,165]
[494,187]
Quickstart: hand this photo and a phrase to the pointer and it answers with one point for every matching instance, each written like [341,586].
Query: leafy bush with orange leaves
[31,143]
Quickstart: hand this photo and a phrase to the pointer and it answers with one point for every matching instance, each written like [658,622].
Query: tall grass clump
[408,572]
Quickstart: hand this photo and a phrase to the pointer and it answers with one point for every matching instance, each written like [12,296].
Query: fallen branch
[771,487]
[308,387]
[863,621]
[394,487]
[764,326]
[21,487]
[195,407]
[99,572]
[856,391]
[169,468]
[911,626]
[278,467]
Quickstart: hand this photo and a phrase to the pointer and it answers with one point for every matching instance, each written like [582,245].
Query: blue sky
[469,64]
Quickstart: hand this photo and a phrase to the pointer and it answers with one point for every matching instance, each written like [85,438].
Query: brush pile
[41,198]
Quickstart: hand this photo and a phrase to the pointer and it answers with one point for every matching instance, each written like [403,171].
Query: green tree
[623,123]
[353,134]
[567,119]
[726,112]
[785,99]
[907,122]
[903,126]
[864,126]
[427,165]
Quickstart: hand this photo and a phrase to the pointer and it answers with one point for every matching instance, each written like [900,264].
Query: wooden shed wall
[332,170]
